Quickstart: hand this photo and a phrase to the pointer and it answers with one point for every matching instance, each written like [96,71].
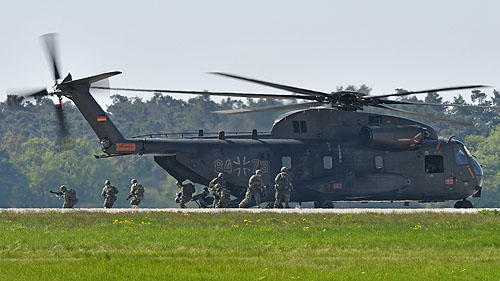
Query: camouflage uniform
[255,184]
[221,194]
[136,193]
[109,194]
[283,188]
[185,194]
[69,196]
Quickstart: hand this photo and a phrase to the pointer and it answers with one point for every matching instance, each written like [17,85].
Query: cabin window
[375,120]
[460,157]
[299,126]
[379,162]
[303,127]
[434,164]
[286,161]
[327,162]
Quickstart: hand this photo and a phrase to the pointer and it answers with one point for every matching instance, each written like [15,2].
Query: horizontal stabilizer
[89,80]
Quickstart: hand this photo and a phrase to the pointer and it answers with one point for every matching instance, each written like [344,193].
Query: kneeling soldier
[69,196]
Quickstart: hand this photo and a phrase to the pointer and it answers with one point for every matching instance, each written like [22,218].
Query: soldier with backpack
[136,193]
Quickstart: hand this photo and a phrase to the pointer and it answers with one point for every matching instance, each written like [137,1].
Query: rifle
[129,196]
[57,193]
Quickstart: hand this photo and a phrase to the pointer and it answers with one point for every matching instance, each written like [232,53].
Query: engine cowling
[393,137]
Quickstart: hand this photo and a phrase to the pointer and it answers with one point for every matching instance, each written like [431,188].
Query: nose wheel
[464,204]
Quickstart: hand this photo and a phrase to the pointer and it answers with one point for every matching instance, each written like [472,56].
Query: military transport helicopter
[333,151]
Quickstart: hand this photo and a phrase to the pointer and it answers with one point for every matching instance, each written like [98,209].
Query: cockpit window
[460,157]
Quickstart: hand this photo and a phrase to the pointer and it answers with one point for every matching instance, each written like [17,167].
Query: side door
[434,168]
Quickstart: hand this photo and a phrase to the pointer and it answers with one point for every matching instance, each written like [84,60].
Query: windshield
[476,167]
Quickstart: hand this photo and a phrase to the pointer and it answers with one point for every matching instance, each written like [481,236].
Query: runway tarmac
[251,210]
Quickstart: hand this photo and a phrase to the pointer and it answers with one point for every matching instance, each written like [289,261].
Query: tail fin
[78,92]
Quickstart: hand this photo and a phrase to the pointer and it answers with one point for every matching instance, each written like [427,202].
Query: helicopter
[333,151]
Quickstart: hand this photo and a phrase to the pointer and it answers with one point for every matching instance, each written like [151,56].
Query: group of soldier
[109,193]
[221,197]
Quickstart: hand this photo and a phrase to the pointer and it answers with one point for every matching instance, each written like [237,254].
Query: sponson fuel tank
[393,137]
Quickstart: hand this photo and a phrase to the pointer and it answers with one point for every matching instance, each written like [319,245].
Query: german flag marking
[101,118]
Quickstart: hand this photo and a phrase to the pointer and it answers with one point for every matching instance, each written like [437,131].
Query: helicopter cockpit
[464,157]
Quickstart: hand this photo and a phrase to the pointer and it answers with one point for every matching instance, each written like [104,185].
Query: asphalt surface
[251,210]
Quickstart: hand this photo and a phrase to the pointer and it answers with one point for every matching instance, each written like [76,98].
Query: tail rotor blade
[64,137]
[29,93]
[50,40]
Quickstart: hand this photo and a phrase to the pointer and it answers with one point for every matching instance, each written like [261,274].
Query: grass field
[245,246]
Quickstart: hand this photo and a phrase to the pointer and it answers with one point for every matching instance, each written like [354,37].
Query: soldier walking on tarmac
[255,185]
[136,193]
[109,194]
[283,188]
[185,193]
[221,194]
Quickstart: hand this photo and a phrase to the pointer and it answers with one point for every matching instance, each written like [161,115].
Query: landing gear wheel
[325,204]
[464,204]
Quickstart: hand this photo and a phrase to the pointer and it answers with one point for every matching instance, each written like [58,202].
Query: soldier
[255,185]
[221,194]
[136,193]
[185,193]
[69,196]
[283,188]
[109,194]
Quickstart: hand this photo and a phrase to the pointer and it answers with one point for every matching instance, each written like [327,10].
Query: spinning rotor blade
[30,93]
[64,136]
[225,94]
[50,40]
[278,107]
[438,104]
[274,85]
[454,122]
[426,91]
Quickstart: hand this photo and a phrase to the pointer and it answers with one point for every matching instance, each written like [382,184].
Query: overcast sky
[311,44]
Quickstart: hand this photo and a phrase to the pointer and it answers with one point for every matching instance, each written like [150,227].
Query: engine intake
[393,137]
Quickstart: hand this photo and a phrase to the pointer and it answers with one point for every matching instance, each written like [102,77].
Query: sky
[317,45]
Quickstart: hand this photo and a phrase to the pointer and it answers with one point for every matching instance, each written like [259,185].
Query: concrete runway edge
[249,210]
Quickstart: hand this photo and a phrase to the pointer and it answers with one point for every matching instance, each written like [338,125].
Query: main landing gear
[464,204]
[325,204]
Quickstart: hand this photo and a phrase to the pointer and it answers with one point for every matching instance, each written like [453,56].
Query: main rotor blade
[270,108]
[274,85]
[438,104]
[50,40]
[427,91]
[454,122]
[225,94]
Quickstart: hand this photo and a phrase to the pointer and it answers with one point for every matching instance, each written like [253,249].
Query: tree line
[32,161]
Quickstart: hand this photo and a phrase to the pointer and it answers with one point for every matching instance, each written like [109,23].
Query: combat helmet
[284,169]
[258,172]
[133,181]
[63,188]
[107,182]
[220,175]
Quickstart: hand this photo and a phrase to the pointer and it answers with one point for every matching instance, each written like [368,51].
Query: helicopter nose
[479,179]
